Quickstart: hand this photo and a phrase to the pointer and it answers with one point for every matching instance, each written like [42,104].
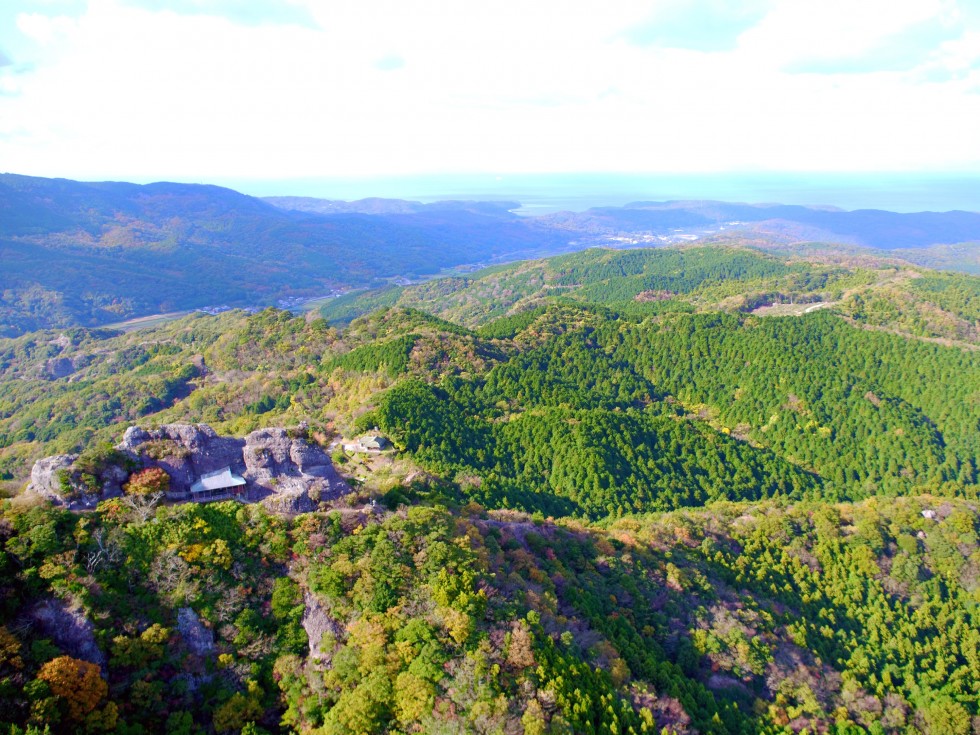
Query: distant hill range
[376,205]
[872,228]
[95,253]
[89,254]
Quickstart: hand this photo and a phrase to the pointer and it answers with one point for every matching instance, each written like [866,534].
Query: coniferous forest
[697,490]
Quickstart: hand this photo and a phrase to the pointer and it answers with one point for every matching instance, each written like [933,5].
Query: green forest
[868,290]
[629,492]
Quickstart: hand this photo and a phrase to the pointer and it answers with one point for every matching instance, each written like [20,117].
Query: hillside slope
[570,408]
[733,619]
[870,291]
[644,515]
[90,253]
[872,228]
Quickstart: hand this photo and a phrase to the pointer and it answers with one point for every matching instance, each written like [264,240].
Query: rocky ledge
[282,469]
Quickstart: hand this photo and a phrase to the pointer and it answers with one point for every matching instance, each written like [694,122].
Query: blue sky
[200,90]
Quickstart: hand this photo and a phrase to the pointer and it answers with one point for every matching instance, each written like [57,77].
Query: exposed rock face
[290,499]
[292,474]
[283,471]
[69,629]
[268,454]
[199,639]
[44,476]
[58,367]
[185,451]
[62,341]
[113,479]
[318,622]
[45,481]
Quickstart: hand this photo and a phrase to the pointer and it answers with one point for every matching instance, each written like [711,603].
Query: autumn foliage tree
[151,481]
[145,489]
[77,683]
[520,653]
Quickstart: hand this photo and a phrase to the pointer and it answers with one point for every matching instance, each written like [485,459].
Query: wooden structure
[217,485]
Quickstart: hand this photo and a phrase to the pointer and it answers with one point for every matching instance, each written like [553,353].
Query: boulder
[310,459]
[44,477]
[279,463]
[267,455]
[290,498]
[58,367]
[133,437]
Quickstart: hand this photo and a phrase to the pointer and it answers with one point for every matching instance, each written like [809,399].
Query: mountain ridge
[89,254]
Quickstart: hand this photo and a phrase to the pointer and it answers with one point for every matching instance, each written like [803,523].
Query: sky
[234,90]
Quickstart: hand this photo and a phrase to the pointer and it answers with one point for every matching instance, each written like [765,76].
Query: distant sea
[545,193]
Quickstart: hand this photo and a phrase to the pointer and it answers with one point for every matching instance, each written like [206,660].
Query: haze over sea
[545,193]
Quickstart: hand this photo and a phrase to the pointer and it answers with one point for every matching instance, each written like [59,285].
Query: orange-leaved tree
[145,489]
[77,683]
[151,481]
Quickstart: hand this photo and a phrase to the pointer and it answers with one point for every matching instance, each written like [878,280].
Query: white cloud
[803,30]
[961,54]
[381,87]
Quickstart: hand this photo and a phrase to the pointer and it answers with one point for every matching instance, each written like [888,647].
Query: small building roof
[367,443]
[217,480]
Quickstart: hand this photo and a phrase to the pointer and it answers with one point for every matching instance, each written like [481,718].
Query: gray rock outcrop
[58,367]
[185,451]
[197,638]
[281,469]
[319,624]
[113,478]
[45,480]
[69,629]
[290,475]
[290,499]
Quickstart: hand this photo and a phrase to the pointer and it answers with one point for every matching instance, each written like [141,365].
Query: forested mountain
[598,417]
[90,254]
[638,369]
[870,291]
[630,491]
[730,619]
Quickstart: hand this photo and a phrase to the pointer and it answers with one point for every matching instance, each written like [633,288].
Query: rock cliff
[185,451]
[282,470]
[198,639]
[69,628]
[323,631]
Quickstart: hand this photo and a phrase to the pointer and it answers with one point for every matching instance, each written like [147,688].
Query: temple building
[217,485]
